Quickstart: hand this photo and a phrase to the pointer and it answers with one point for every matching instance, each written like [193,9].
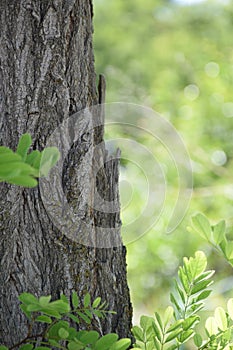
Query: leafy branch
[22,168]
[177,324]
[58,332]
[215,235]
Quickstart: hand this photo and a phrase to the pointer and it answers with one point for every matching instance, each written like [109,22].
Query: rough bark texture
[46,75]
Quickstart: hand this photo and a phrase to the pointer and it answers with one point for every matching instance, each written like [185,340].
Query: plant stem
[25,340]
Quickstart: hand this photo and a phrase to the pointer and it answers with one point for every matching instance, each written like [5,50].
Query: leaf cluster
[215,235]
[21,167]
[219,329]
[58,333]
[177,324]
[169,331]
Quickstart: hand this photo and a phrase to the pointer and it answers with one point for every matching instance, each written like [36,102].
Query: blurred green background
[177,59]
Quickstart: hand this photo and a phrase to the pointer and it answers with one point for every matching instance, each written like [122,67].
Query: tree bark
[46,75]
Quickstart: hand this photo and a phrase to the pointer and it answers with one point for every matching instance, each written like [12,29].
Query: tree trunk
[46,75]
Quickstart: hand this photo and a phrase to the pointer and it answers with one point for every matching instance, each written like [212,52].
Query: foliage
[177,324]
[215,235]
[169,330]
[58,333]
[22,168]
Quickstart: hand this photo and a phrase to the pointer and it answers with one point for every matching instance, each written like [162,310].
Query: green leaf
[138,333]
[150,345]
[87,300]
[2,347]
[24,144]
[37,162]
[230,308]
[179,290]
[227,335]
[196,307]
[203,295]
[84,317]
[60,306]
[121,344]
[53,331]
[211,326]
[44,319]
[28,298]
[156,343]
[72,333]
[195,266]
[190,322]
[174,326]
[145,322]
[26,347]
[103,305]
[202,226]
[173,335]
[75,346]
[204,276]
[74,318]
[49,157]
[53,342]
[221,318]
[168,314]
[98,313]
[223,246]
[106,341]
[75,299]
[158,332]
[23,180]
[174,302]
[186,335]
[200,286]
[16,169]
[5,150]
[43,348]
[90,337]
[186,269]
[81,333]
[63,333]
[50,312]
[159,320]
[23,307]
[6,158]
[44,300]
[197,340]
[229,250]
[184,280]
[64,298]
[34,307]
[96,302]
[34,159]
[88,313]
[219,231]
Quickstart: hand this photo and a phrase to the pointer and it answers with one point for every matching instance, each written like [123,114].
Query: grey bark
[46,75]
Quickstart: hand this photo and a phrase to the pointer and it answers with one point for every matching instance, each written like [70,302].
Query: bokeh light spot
[212,69]
[219,158]
[191,92]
